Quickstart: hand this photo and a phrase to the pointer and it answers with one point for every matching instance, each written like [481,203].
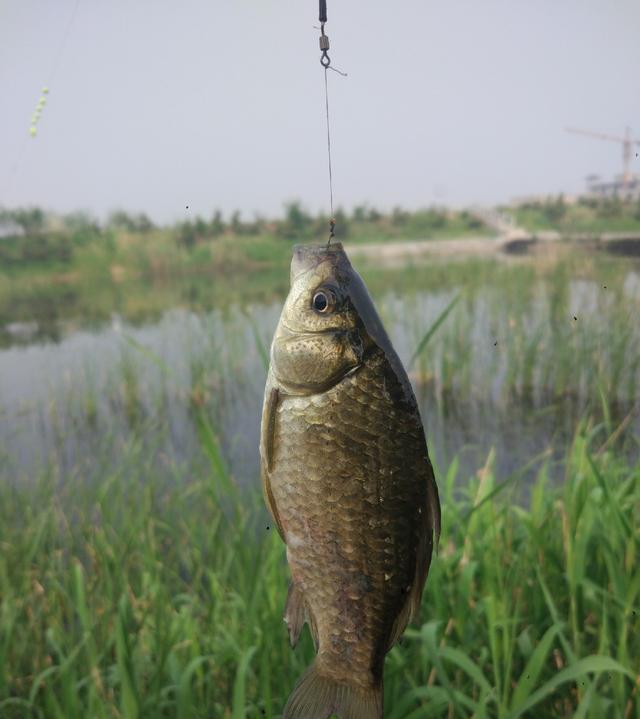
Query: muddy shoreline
[512,244]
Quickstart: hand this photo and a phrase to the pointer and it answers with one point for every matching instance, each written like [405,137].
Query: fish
[349,484]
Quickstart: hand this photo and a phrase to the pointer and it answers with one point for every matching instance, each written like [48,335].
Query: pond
[118,379]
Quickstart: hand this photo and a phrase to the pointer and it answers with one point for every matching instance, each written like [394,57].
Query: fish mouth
[307,257]
[303,334]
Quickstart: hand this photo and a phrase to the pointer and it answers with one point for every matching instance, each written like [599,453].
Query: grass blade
[432,330]
[588,665]
[533,668]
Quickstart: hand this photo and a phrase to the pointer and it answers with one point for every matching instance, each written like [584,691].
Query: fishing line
[42,101]
[325,61]
[326,99]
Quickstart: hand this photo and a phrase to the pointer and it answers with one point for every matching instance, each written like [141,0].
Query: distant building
[629,190]
[597,188]
[542,199]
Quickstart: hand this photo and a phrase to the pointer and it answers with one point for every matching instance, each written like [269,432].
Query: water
[98,392]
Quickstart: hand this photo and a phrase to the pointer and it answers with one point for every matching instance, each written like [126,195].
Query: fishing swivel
[325,60]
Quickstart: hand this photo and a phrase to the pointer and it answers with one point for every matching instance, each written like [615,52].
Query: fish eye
[322,301]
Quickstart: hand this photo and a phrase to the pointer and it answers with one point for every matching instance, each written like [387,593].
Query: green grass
[57,249]
[587,216]
[123,599]
[123,596]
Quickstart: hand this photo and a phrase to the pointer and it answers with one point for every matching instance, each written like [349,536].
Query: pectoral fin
[267,429]
[267,432]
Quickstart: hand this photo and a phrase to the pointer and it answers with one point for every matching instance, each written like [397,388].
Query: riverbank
[515,242]
[37,249]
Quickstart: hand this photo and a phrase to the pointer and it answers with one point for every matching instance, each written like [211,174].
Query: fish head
[321,336]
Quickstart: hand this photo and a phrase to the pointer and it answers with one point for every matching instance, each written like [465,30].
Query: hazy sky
[219,103]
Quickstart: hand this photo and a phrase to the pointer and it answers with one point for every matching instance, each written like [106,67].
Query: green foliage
[610,208]
[399,217]
[36,249]
[129,244]
[82,229]
[186,235]
[126,595]
[556,209]
[359,213]
[121,220]
[297,222]
[587,215]
[123,599]
[217,225]
[343,227]
[31,220]
[236,223]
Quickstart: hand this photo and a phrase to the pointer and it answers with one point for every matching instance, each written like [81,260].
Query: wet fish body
[347,478]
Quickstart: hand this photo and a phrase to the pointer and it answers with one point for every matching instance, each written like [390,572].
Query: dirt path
[393,252]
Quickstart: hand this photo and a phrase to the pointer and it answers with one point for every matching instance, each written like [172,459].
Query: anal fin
[294,613]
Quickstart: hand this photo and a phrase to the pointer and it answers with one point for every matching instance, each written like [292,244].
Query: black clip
[323,11]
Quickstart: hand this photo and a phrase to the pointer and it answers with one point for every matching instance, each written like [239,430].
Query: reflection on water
[511,369]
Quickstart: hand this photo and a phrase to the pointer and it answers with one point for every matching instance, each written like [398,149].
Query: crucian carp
[347,478]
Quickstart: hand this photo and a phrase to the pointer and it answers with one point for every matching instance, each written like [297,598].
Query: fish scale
[308,477]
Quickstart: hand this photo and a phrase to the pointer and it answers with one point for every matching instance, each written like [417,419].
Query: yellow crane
[627,143]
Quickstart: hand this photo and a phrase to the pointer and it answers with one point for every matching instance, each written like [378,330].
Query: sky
[176,109]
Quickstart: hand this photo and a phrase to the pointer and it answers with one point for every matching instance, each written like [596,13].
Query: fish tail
[320,697]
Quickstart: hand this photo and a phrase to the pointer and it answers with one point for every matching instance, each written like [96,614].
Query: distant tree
[439,218]
[556,209]
[200,228]
[81,227]
[471,222]
[142,223]
[217,225]
[297,218]
[297,222]
[236,223]
[359,213]
[80,221]
[38,247]
[610,207]
[320,227]
[186,235]
[342,224]
[121,220]
[30,219]
[590,202]
[423,222]
[399,217]
[374,215]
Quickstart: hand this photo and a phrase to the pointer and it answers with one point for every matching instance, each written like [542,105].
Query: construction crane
[627,143]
